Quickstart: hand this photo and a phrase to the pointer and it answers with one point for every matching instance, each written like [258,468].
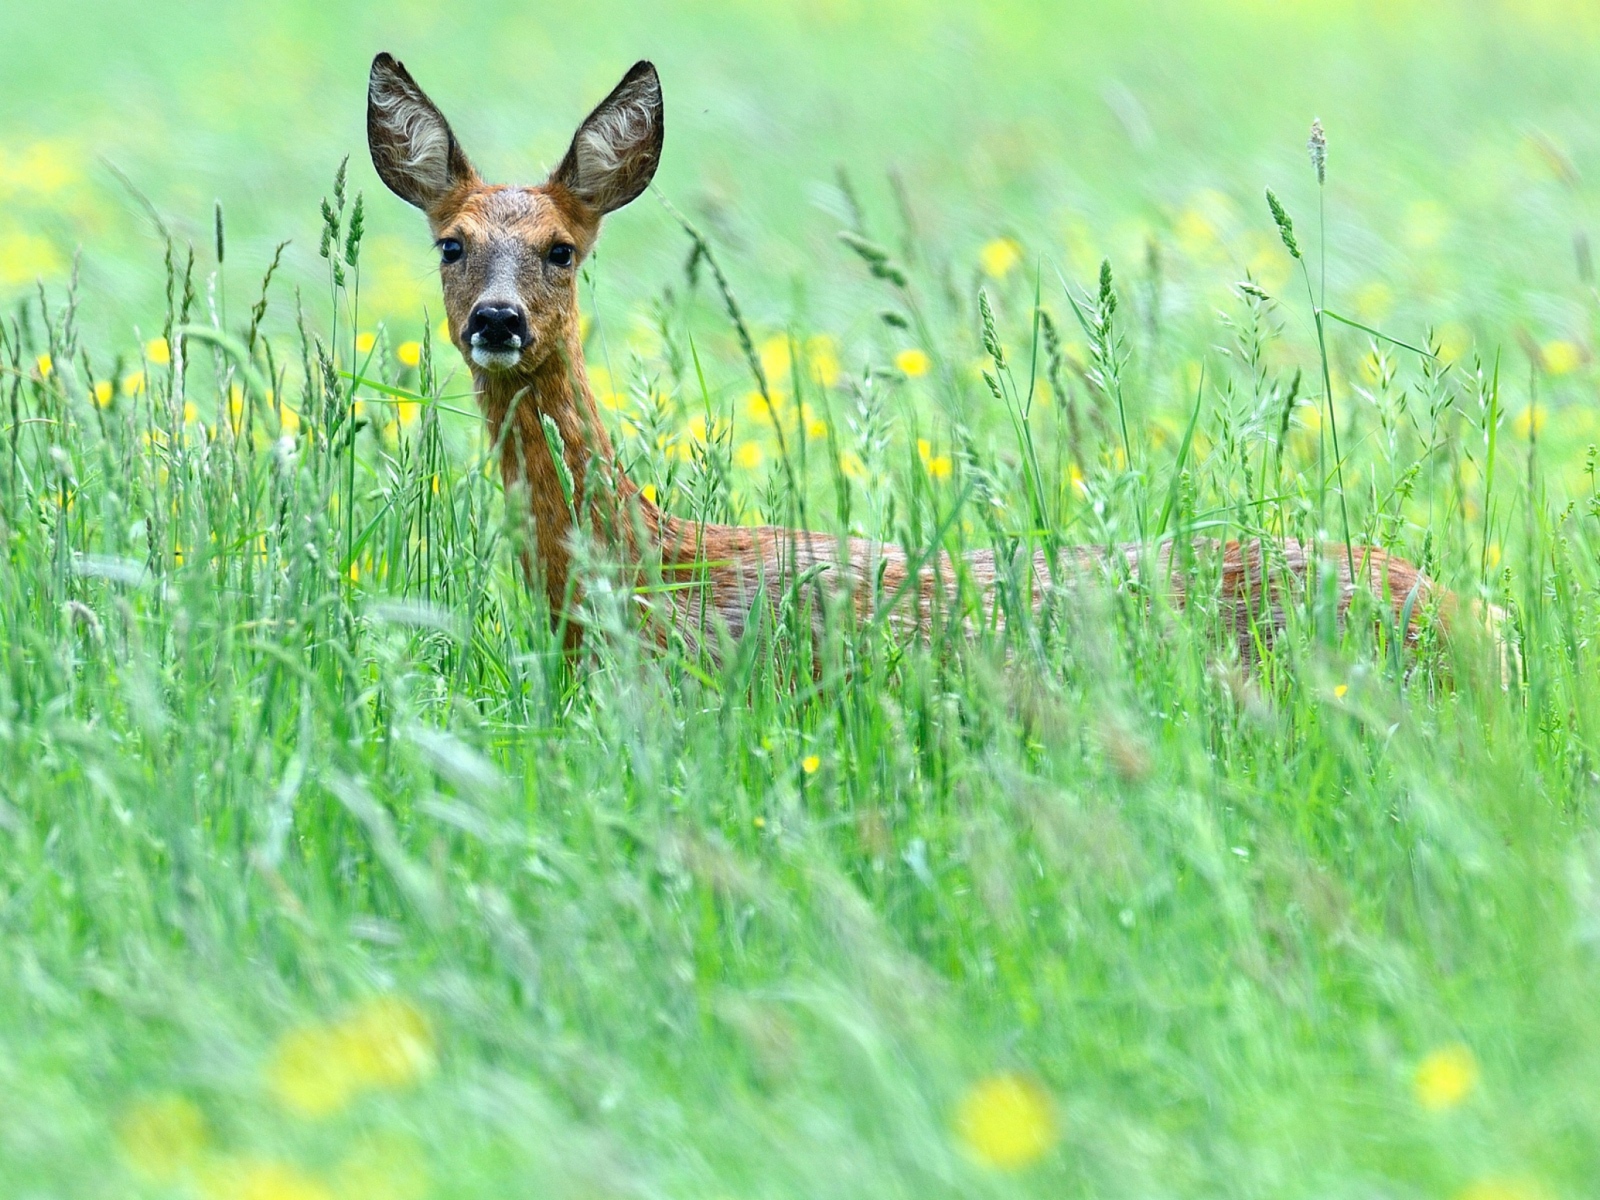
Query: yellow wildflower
[288,419]
[409,353]
[816,427]
[1075,476]
[408,411]
[162,1137]
[157,351]
[260,1179]
[1561,357]
[191,414]
[999,257]
[385,1043]
[1445,1078]
[1006,1121]
[1340,690]
[1454,341]
[763,409]
[810,764]
[1531,420]
[823,360]
[46,364]
[748,456]
[103,391]
[774,354]
[648,491]
[1373,301]
[1195,233]
[365,342]
[938,465]
[913,363]
[600,387]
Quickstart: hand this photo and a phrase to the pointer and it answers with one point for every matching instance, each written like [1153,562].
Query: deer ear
[412,147]
[616,150]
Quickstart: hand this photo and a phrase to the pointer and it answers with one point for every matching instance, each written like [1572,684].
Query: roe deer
[510,257]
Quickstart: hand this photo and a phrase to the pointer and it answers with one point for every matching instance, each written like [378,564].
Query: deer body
[509,265]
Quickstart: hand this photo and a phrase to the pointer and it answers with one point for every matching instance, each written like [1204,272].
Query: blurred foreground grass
[325,875]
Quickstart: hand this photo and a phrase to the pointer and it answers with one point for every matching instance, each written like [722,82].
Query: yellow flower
[810,763]
[913,363]
[1006,1121]
[158,352]
[1454,341]
[1530,421]
[162,1137]
[648,491]
[365,342]
[823,360]
[191,414]
[938,465]
[699,431]
[408,411]
[409,353]
[1561,357]
[25,257]
[385,1043]
[1445,1078]
[1340,690]
[762,409]
[1195,233]
[999,257]
[103,391]
[816,427]
[1373,301]
[260,1179]
[748,456]
[1076,478]
[775,359]
[604,392]
[46,364]
[288,419]
[390,1041]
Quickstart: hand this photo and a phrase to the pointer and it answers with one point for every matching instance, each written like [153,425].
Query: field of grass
[326,875]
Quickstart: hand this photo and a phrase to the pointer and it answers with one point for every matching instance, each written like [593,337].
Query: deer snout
[497,333]
[497,326]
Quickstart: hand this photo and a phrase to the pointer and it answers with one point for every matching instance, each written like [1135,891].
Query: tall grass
[285,731]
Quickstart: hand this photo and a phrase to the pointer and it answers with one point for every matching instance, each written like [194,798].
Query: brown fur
[508,233]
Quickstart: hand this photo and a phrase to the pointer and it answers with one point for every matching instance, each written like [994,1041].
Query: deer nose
[497,327]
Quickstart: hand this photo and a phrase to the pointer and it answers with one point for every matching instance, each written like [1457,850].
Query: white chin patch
[496,360]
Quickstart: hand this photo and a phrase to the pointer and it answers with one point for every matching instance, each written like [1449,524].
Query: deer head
[509,255]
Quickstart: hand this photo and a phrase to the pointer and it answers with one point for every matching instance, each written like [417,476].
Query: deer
[509,259]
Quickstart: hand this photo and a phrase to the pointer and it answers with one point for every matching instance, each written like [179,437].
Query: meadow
[325,874]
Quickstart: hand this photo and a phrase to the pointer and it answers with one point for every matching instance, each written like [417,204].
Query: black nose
[498,327]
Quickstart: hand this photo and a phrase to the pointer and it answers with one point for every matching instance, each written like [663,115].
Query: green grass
[323,872]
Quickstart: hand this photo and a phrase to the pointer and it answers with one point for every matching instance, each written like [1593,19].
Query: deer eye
[451,249]
[560,255]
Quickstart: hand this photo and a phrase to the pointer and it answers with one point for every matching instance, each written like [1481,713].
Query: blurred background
[1463,143]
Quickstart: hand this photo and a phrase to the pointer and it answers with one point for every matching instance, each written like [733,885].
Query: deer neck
[550,409]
